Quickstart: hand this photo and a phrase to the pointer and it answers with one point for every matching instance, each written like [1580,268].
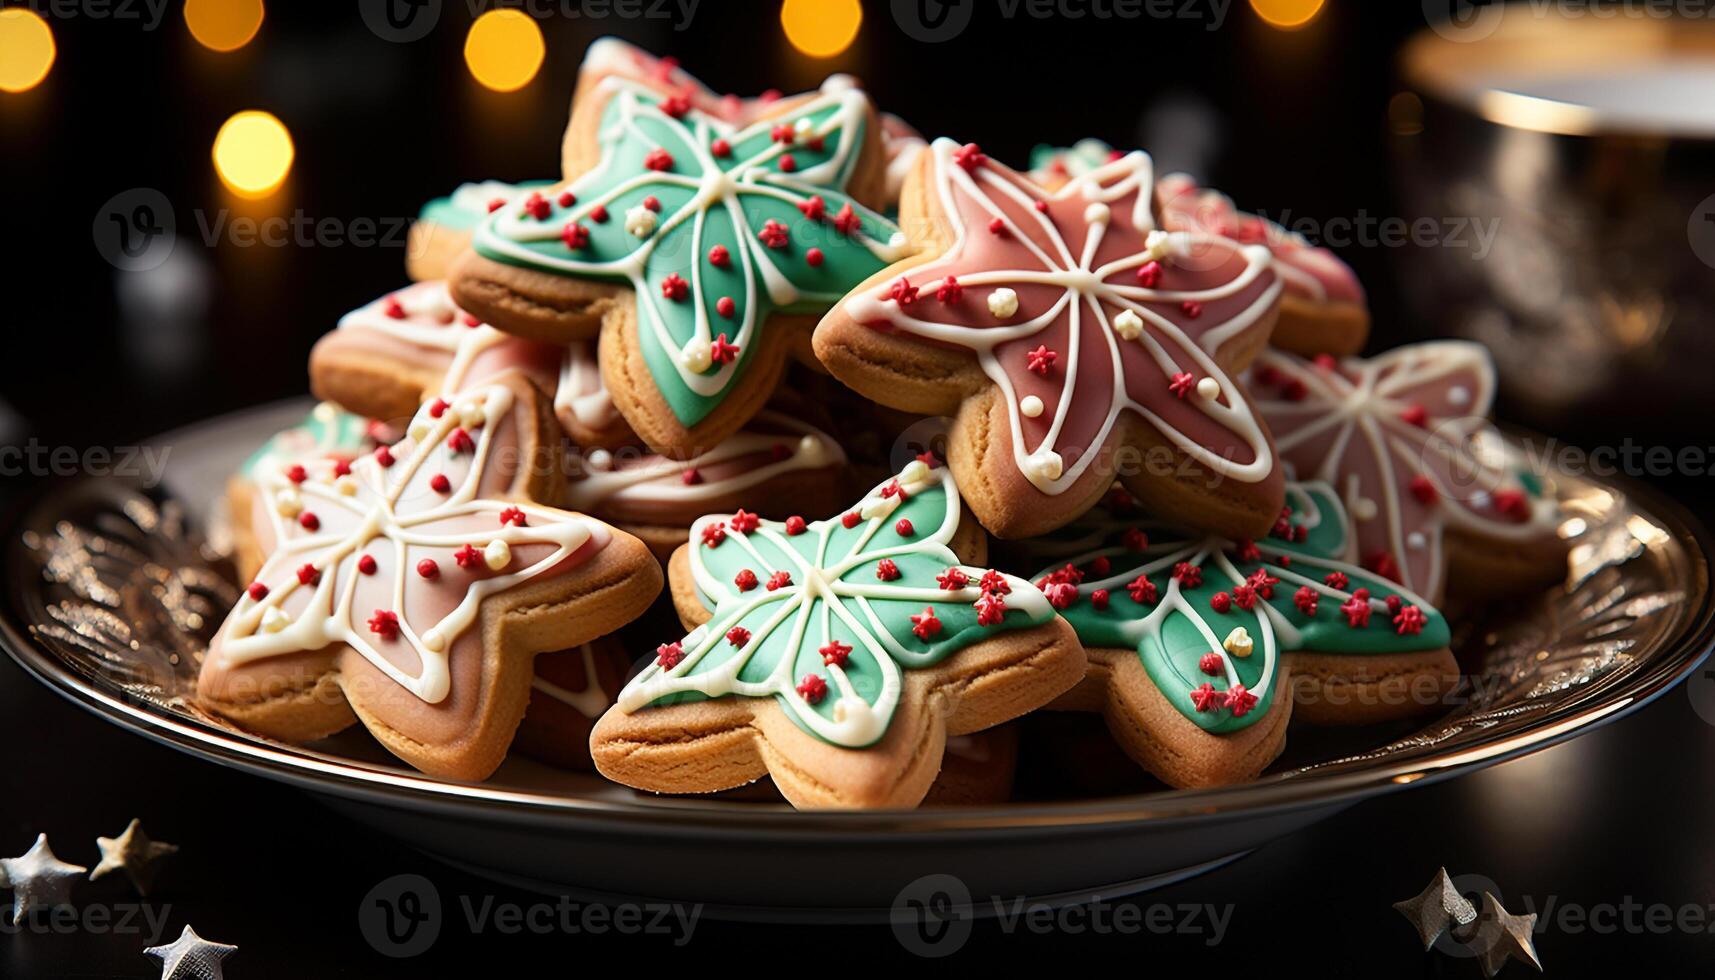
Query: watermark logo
[135,230]
[1701,231]
[931,916]
[1463,21]
[400,21]
[932,21]
[401,917]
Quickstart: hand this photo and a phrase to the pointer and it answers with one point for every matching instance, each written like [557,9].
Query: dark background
[1293,121]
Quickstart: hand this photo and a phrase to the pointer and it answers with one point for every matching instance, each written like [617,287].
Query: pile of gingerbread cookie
[659,386]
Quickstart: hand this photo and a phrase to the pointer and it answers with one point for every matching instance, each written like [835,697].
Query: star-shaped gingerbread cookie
[1074,341]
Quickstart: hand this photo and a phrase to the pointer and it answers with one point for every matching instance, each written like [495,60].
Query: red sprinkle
[745,580]
[991,609]
[970,157]
[1041,360]
[850,519]
[309,521]
[257,591]
[887,570]
[744,522]
[428,568]
[795,525]
[296,473]
[726,307]
[779,580]
[460,442]
[1099,600]
[511,515]
[904,528]
[1240,701]
[1336,580]
[598,214]
[383,456]
[1221,602]
[997,227]
[674,287]
[1357,609]
[719,257]
[468,557]
[952,580]
[925,624]
[1306,599]
[902,292]
[738,636]
[1181,384]
[721,351]
[812,688]
[1191,308]
[440,484]
[1142,590]
[575,235]
[1415,415]
[438,408]
[1149,275]
[1205,698]
[949,290]
[1423,488]
[653,203]
[788,163]
[815,258]
[1189,575]
[1212,664]
[669,655]
[385,624]
[847,220]
[366,564]
[658,159]
[834,653]
[567,199]
[714,534]
[721,148]
[815,208]
[1409,621]
[773,234]
[309,575]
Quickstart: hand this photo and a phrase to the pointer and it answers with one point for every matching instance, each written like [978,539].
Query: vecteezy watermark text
[403,916]
[405,21]
[33,458]
[933,21]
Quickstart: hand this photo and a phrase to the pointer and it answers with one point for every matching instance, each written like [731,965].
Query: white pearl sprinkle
[1364,509]
[1031,406]
[639,221]
[1459,395]
[1097,213]
[275,619]
[696,356]
[1003,302]
[497,555]
[418,431]
[346,486]
[599,459]
[1209,388]
[1128,325]
[1239,642]
[1047,465]
[288,503]
[1416,541]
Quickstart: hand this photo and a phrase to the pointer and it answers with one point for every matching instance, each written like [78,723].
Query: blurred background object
[1582,146]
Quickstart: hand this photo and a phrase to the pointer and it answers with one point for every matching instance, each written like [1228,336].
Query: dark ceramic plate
[113,592]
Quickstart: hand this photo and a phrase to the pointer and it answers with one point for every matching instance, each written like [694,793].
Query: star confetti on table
[133,853]
[1502,936]
[38,879]
[1437,909]
[191,957]
[716,226]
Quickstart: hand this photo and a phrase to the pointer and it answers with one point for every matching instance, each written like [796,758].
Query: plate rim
[362,782]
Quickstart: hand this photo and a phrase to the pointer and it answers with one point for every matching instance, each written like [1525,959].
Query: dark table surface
[1609,831]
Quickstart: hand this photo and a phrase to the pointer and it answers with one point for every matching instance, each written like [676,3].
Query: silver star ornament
[1504,936]
[1436,909]
[191,957]
[38,879]
[133,853]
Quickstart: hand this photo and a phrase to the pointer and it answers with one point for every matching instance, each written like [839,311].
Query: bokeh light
[253,153]
[1287,14]
[223,25]
[821,28]
[504,49]
[26,49]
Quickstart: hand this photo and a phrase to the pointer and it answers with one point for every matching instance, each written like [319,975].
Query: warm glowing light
[26,49]
[253,153]
[224,25]
[1287,14]
[504,49]
[821,28]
